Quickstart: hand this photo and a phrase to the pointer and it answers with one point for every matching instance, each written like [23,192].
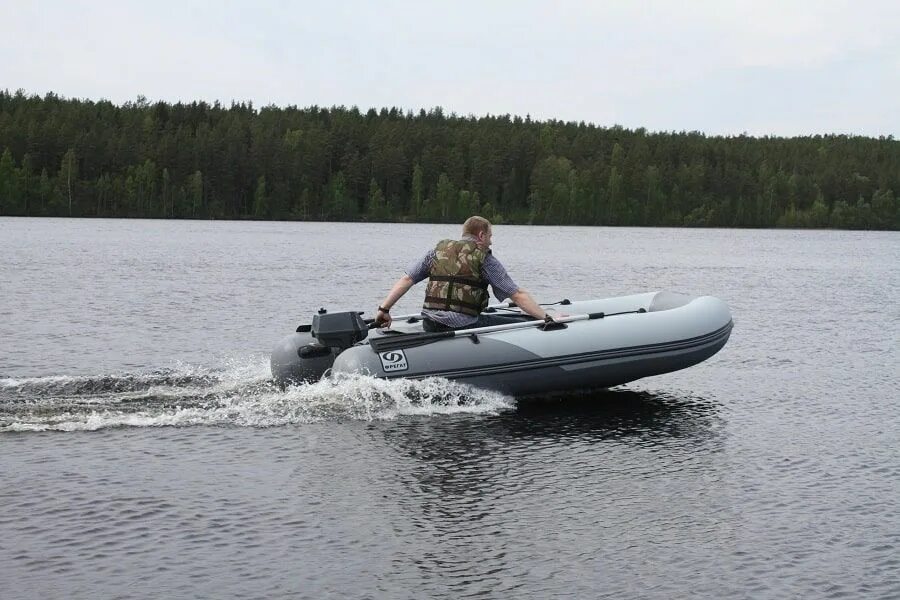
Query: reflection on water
[621,413]
[586,417]
[561,468]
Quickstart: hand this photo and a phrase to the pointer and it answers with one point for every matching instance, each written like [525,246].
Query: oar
[489,309]
[305,328]
[419,315]
[410,340]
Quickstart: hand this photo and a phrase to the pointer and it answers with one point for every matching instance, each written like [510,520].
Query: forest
[85,158]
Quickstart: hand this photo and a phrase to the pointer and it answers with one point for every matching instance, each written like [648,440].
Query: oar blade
[409,340]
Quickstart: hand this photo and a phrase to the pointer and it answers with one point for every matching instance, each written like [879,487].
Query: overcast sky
[765,67]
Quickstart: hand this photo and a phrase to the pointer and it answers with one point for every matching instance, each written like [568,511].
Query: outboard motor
[339,330]
[306,354]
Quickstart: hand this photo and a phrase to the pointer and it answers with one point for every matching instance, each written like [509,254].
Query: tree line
[84,158]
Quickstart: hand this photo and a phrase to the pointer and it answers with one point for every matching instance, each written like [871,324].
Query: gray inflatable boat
[598,344]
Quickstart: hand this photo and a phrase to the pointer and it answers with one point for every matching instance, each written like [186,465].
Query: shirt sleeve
[495,274]
[420,269]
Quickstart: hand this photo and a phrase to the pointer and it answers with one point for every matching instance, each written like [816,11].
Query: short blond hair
[475,225]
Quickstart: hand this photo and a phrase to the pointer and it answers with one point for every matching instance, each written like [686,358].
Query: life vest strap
[470,281]
[449,303]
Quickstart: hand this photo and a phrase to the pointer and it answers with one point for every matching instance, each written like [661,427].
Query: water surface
[143,452]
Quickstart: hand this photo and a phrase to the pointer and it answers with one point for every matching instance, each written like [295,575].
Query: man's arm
[524,301]
[416,273]
[383,318]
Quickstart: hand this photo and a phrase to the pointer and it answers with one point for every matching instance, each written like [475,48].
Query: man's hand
[383,315]
[551,320]
[382,318]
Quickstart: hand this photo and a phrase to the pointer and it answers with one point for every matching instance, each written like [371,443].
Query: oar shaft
[418,314]
[383,343]
[371,322]
[507,304]
[392,342]
[524,324]
[519,325]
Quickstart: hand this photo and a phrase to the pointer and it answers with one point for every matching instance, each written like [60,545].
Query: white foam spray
[240,394]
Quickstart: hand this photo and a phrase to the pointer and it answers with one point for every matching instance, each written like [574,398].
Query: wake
[238,394]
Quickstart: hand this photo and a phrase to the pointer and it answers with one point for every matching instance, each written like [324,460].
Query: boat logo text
[393,360]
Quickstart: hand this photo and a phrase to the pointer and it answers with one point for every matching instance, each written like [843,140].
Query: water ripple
[769,471]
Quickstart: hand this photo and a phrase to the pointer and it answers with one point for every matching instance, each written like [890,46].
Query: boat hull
[673,332]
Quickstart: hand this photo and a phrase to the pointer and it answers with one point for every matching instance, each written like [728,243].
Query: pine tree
[418,192]
[377,208]
[445,199]
[260,199]
[68,176]
[8,196]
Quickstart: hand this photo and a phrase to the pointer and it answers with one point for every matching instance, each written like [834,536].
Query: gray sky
[765,67]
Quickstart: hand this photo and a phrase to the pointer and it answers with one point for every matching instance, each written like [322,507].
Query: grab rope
[512,305]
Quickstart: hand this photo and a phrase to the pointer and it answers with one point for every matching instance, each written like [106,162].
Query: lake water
[144,454]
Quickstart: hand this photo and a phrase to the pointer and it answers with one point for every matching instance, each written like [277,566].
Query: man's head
[480,228]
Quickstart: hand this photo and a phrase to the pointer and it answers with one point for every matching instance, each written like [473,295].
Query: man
[459,272]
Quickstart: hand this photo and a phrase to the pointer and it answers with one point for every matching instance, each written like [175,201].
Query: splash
[241,394]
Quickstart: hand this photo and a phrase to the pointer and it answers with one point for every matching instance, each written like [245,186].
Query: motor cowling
[339,330]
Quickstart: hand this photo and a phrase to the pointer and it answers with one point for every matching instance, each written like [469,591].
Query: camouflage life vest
[455,281]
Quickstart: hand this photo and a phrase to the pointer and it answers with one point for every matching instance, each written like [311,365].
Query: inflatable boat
[591,344]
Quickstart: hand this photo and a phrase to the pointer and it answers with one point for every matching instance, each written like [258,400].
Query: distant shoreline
[79,158]
[451,224]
